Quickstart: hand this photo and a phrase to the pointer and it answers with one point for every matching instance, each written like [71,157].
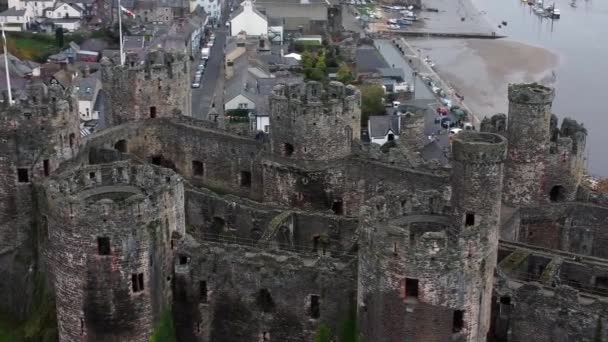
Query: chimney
[87,71]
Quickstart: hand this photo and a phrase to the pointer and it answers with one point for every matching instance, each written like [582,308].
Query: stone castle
[242,239]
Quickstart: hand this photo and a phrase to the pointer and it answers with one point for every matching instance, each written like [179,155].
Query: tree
[344,74]
[323,334]
[372,102]
[59,37]
[349,332]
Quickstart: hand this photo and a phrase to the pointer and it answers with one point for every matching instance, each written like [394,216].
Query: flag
[127,12]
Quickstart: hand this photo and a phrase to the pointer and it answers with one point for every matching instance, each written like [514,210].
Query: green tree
[372,102]
[59,37]
[307,60]
[344,74]
[318,72]
[323,334]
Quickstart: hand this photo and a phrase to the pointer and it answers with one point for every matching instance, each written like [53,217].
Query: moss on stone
[40,325]
[164,329]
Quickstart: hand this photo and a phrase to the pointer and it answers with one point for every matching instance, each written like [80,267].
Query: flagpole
[122,57]
[8,75]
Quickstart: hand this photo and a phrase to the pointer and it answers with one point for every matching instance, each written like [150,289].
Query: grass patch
[164,330]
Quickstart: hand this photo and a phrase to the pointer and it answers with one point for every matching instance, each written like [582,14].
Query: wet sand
[481,69]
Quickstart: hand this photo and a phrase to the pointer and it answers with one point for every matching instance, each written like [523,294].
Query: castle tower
[477,185]
[38,132]
[428,276]
[411,130]
[529,134]
[158,86]
[110,248]
[310,122]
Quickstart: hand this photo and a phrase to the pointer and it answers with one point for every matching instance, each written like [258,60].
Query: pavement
[211,83]
[395,59]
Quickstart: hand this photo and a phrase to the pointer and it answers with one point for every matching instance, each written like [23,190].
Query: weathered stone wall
[434,266]
[544,295]
[311,122]
[528,134]
[228,292]
[109,238]
[572,227]
[535,313]
[412,130]
[210,216]
[158,86]
[37,133]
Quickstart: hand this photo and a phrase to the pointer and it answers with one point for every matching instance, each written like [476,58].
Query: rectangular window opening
[103,245]
[338,207]
[47,167]
[246,179]
[92,175]
[137,282]
[458,321]
[183,260]
[469,219]
[315,310]
[198,169]
[411,287]
[153,112]
[505,300]
[202,285]
[23,176]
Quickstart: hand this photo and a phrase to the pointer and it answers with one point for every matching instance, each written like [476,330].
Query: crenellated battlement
[312,98]
[310,121]
[531,93]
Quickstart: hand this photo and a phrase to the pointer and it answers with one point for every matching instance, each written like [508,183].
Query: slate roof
[18,67]
[94,44]
[86,88]
[379,125]
[369,60]
[133,42]
[394,73]
[12,12]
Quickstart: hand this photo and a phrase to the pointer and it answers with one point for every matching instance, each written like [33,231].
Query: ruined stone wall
[434,268]
[109,238]
[37,133]
[158,86]
[311,122]
[211,217]
[573,227]
[529,135]
[565,161]
[228,292]
[535,313]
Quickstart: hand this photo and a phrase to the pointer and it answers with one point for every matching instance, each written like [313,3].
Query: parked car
[201,67]
[455,131]
[196,84]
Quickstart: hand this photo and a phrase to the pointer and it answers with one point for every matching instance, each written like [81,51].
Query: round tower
[411,130]
[38,132]
[477,178]
[529,134]
[109,236]
[310,122]
[429,275]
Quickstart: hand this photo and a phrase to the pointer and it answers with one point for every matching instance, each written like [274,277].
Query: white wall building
[15,19]
[239,102]
[213,8]
[65,11]
[383,129]
[249,20]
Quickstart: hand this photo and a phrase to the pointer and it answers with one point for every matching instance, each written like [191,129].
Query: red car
[442,110]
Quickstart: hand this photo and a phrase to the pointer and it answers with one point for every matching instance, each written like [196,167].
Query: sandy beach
[481,69]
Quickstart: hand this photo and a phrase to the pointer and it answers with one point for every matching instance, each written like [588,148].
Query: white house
[87,90]
[65,11]
[213,8]
[14,19]
[249,20]
[262,123]
[383,129]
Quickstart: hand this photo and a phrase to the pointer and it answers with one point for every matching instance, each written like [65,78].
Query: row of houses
[71,15]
